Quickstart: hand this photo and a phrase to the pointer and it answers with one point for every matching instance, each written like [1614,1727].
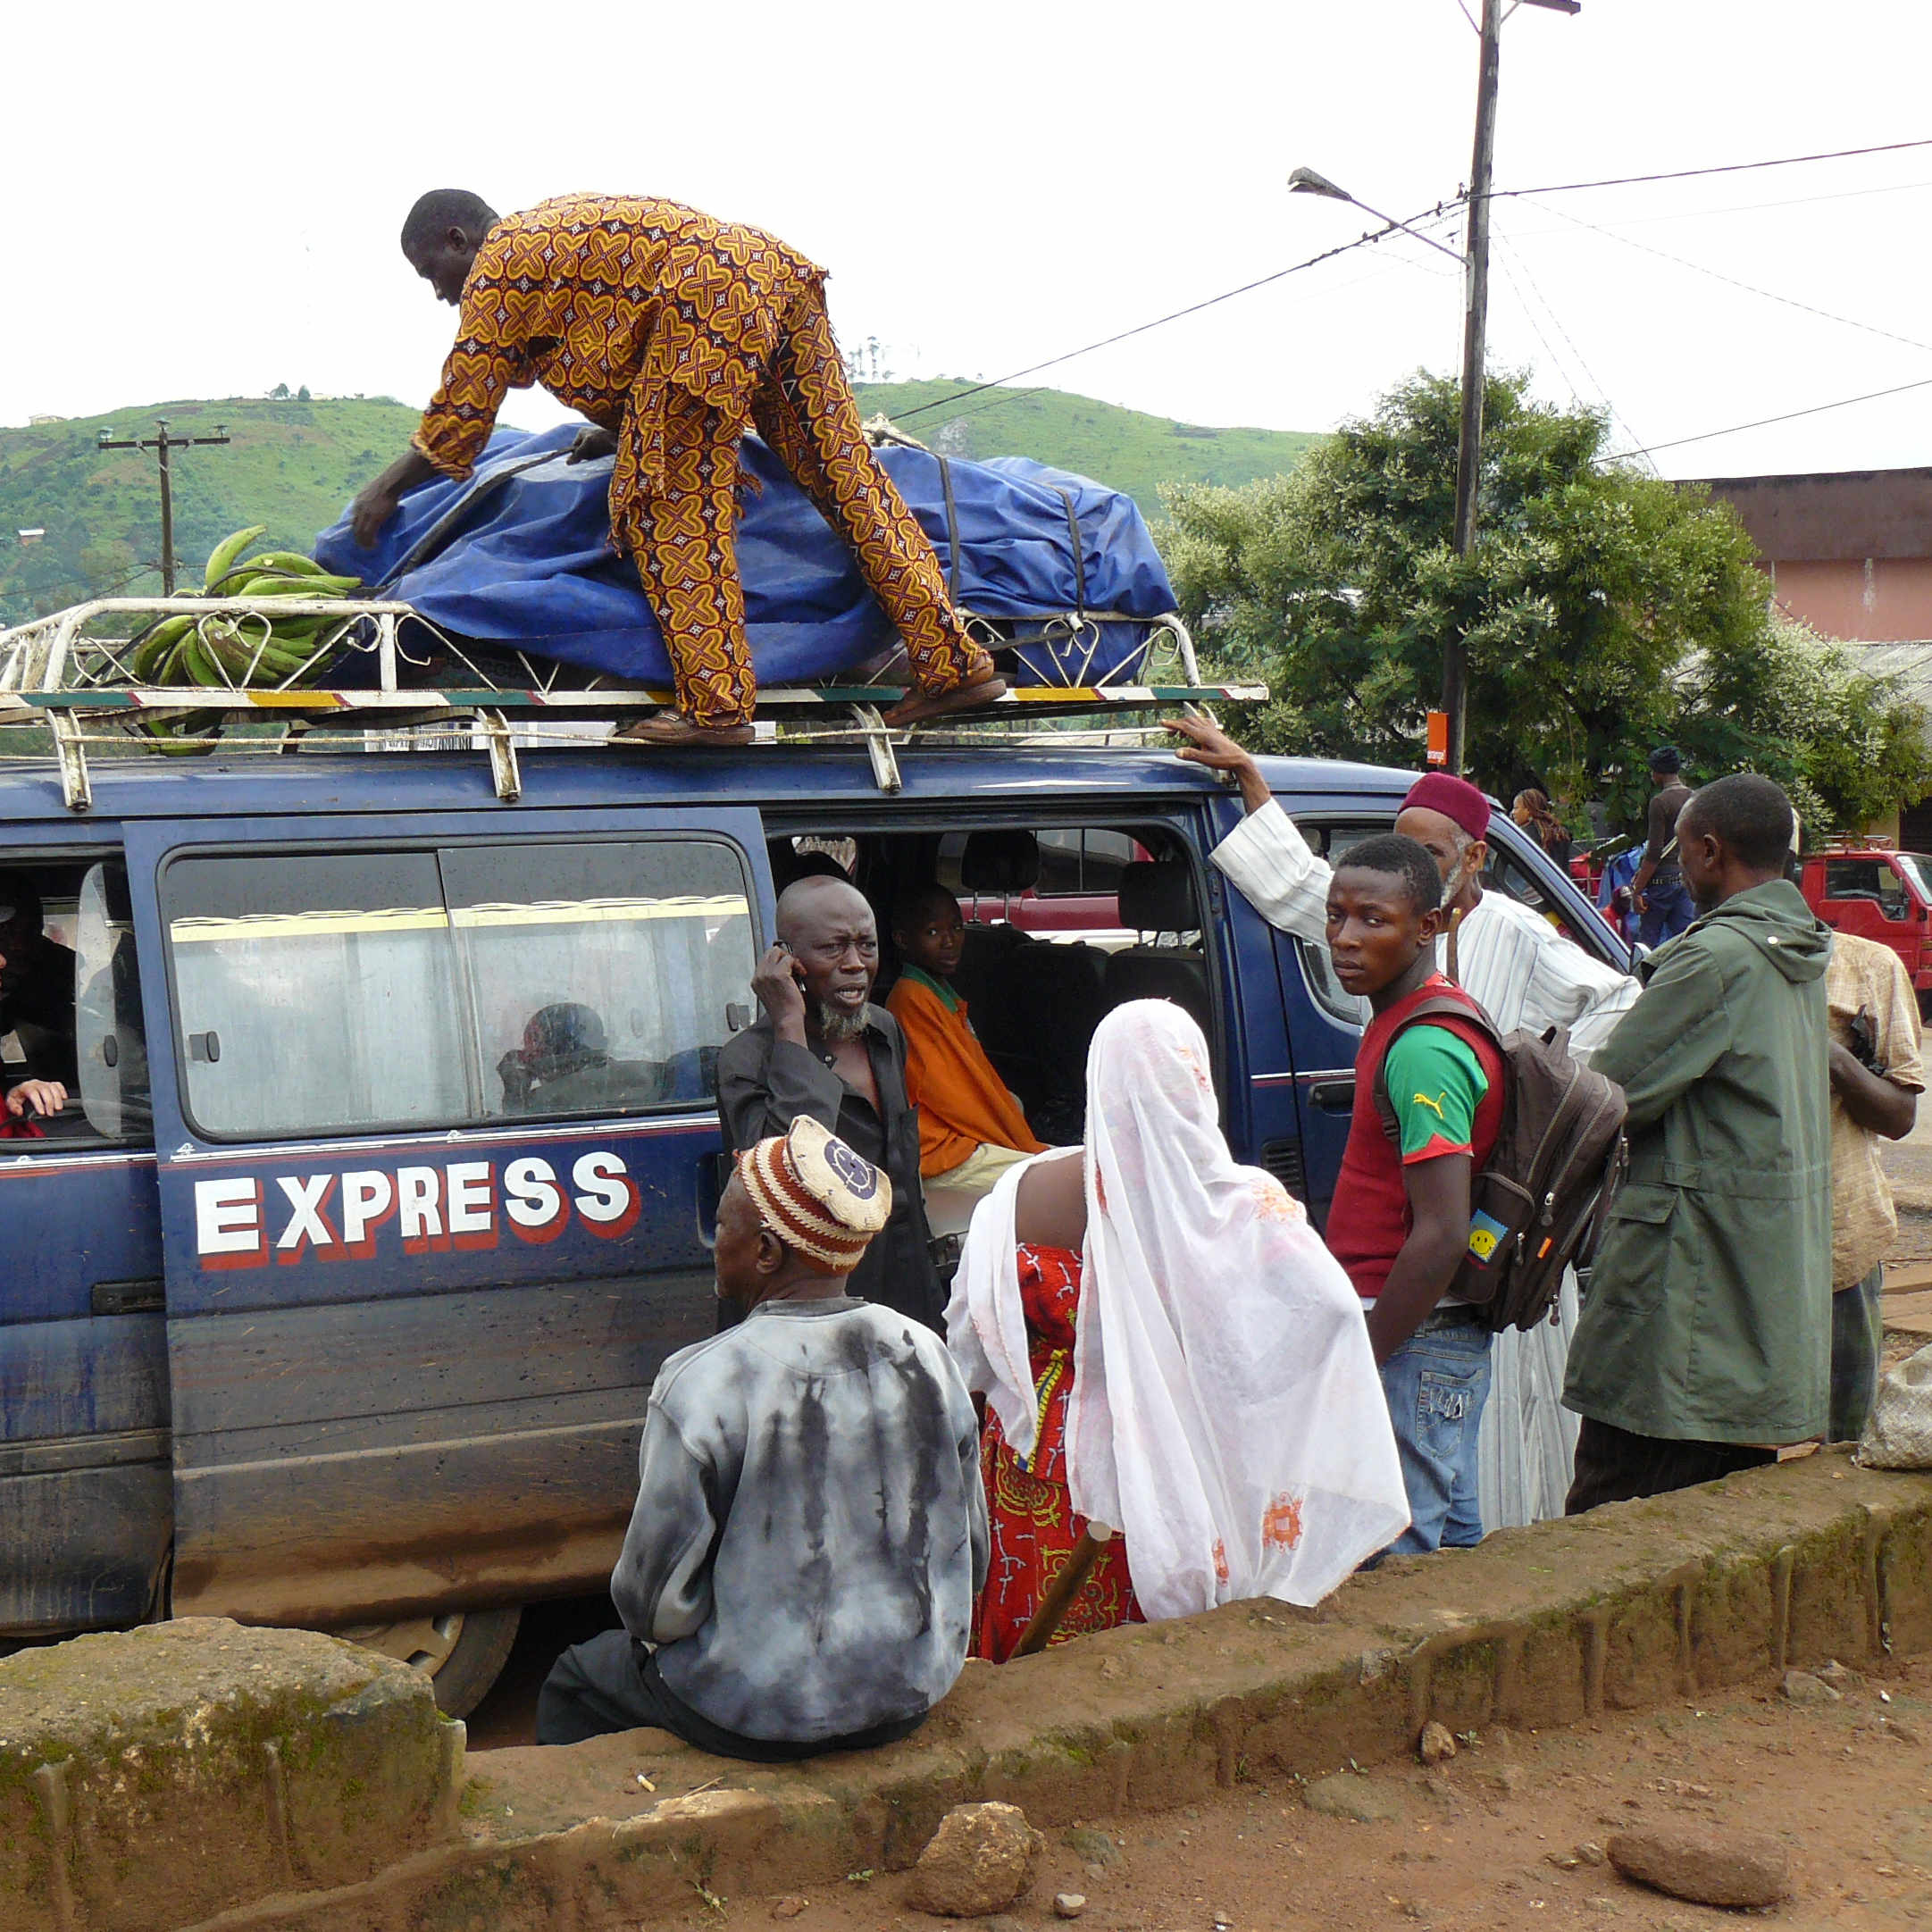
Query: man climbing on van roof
[674,333]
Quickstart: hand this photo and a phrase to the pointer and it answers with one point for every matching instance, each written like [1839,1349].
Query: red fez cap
[1454,797]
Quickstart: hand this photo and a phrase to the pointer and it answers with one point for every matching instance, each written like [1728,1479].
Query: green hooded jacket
[1709,1312]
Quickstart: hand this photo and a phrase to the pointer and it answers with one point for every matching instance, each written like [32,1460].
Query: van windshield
[1917,866]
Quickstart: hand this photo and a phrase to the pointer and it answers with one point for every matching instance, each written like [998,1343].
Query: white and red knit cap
[820,1198]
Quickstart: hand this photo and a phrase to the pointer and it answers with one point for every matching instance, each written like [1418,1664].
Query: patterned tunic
[1032,1515]
[609,300]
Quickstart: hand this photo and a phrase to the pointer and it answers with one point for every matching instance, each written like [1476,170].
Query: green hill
[293,465]
[1123,447]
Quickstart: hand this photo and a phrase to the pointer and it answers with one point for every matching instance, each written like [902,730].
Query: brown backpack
[1540,1202]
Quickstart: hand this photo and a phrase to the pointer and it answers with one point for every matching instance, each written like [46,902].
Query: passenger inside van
[26,1105]
[564,1066]
[37,986]
[971,1127]
[822,1048]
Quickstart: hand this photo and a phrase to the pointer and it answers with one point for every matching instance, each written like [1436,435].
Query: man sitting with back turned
[824,1049]
[810,1529]
[1706,1339]
[971,1127]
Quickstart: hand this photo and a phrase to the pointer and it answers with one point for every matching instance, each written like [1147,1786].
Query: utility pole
[160,445]
[1474,325]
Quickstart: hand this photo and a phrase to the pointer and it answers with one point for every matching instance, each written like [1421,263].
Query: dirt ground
[1474,1843]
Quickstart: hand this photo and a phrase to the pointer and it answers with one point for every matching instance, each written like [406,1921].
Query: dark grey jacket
[765,1083]
[810,1529]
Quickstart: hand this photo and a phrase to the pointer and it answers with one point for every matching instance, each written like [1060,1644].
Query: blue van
[336,1297]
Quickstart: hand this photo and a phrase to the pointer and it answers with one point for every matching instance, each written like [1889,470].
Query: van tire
[462,1653]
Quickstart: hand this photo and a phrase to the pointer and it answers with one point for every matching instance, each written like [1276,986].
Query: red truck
[1867,887]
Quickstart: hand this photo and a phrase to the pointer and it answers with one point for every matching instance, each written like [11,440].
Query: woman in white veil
[1203,1384]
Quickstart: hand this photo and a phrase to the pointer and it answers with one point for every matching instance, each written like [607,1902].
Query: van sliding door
[438,1148]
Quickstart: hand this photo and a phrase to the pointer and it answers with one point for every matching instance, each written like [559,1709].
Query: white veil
[1225,1415]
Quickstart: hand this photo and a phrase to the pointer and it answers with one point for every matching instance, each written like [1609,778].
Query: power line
[1690,174]
[1770,295]
[1510,250]
[1741,207]
[1790,415]
[1193,308]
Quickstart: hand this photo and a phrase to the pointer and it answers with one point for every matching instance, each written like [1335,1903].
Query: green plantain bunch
[243,649]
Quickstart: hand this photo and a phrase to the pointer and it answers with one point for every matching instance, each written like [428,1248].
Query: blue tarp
[520,554]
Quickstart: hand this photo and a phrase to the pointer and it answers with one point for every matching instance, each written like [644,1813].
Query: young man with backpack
[1400,1224]
[1526,974]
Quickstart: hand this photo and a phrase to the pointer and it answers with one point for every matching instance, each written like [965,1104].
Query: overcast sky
[204,199]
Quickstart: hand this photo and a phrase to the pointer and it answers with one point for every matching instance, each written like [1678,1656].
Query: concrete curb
[1640,1603]
[151,1774]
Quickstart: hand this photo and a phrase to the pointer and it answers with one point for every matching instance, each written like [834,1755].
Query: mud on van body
[336,1296]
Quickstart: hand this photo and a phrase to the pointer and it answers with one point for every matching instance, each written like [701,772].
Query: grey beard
[835,1023]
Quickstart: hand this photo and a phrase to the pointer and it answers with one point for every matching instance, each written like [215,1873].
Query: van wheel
[462,1653]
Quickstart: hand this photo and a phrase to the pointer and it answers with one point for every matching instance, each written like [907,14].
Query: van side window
[317,993]
[1870,879]
[340,992]
[110,1037]
[597,975]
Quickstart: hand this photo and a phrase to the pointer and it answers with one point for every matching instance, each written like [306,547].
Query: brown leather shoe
[923,705]
[673,728]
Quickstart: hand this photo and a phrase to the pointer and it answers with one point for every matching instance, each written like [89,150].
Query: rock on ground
[1348,1794]
[981,1859]
[1708,1867]
[1437,1742]
[1802,1688]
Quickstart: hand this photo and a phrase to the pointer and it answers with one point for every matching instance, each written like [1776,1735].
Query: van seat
[998,862]
[1157,895]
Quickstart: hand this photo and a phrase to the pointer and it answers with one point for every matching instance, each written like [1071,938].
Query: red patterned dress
[1034,1525]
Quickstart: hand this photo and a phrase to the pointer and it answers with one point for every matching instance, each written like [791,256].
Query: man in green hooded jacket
[1705,1339]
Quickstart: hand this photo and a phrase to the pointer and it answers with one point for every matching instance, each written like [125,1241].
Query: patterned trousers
[686,550]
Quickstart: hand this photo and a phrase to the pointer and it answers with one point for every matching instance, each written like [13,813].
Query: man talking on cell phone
[822,1048]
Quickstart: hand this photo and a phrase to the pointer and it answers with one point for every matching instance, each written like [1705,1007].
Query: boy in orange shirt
[971,1128]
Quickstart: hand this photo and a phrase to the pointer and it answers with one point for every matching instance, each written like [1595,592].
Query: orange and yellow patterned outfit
[679,333]
[1028,1508]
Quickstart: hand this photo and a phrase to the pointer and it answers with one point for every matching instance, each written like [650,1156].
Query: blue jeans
[1668,909]
[1857,1340]
[1436,1383]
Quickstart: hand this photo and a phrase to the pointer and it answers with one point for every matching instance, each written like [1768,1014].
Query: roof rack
[59,673]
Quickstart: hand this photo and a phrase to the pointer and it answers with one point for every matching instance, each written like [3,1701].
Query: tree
[1606,611]
[302,394]
[280,393]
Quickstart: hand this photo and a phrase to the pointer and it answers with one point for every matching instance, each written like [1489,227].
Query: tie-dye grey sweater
[810,1527]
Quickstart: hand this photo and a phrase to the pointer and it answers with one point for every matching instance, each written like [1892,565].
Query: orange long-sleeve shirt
[963,1103]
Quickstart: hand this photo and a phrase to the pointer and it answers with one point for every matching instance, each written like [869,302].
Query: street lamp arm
[1306,181]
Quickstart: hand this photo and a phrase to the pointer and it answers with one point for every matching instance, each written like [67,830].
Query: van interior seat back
[1002,861]
[1156,897]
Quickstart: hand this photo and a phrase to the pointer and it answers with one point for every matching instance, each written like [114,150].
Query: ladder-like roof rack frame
[55,672]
